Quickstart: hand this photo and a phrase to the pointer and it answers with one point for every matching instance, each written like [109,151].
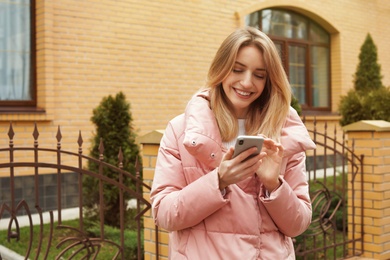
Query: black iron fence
[55,183]
[44,192]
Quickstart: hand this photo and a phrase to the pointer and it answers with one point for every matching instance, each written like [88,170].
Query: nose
[246,80]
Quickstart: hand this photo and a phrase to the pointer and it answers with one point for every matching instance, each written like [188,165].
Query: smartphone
[244,142]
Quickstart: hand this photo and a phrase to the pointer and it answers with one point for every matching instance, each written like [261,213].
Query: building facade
[158,53]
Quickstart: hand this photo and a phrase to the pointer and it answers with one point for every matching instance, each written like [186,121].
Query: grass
[106,250]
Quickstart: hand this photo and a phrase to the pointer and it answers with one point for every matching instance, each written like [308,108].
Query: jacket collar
[201,135]
[203,140]
[295,137]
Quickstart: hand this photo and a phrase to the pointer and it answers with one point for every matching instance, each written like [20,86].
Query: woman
[219,207]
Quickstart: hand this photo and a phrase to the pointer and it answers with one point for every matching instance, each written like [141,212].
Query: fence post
[154,248]
[372,139]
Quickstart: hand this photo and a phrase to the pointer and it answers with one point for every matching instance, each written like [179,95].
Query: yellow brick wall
[150,150]
[376,195]
[158,54]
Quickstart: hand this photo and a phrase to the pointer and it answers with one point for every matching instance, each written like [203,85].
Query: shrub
[375,105]
[369,100]
[295,104]
[351,108]
[113,126]
[368,73]
[378,104]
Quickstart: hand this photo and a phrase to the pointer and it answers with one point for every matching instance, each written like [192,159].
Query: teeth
[243,92]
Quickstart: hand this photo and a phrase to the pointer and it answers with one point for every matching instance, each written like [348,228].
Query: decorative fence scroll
[335,173]
[75,242]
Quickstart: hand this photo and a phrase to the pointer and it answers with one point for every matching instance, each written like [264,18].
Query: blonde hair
[267,114]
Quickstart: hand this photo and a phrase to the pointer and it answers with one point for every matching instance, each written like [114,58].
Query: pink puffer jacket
[244,224]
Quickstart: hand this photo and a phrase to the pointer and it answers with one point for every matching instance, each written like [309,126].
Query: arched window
[304,48]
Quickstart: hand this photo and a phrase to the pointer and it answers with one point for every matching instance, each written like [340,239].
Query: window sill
[24,114]
[22,110]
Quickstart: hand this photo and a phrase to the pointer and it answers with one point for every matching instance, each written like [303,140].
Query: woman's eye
[237,70]
[260,76]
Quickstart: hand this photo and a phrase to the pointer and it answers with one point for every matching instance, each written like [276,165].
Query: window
[17,54]
[304,49]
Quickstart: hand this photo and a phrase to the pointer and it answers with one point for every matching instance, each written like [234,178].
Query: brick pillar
[372,139]
[150,145]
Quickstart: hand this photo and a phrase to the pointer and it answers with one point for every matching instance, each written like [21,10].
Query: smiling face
[246,81]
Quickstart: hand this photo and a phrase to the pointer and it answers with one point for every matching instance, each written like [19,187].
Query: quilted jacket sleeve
[289,206]
[175,200]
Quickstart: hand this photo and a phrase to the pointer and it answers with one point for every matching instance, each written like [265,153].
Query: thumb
[228,155]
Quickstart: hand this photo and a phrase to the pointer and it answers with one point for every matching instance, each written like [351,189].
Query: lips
[242,93]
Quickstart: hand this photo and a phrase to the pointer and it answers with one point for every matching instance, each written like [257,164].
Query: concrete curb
[7,254]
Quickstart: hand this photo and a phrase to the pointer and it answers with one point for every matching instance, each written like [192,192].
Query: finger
[257,158]
[272,145]
[228,155]
[251,166]
[242,156]
[280,149]
[268,143]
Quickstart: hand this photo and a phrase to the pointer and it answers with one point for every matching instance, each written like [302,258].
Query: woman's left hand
[269,170]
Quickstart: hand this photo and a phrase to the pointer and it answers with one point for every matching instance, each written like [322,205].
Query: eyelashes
[259,76]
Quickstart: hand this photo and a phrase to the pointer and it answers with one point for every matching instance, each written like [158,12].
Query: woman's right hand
[233,170]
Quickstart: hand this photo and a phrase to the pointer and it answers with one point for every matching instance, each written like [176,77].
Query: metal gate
[335,175]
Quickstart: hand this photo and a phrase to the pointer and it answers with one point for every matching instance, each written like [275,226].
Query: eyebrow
[239,63]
